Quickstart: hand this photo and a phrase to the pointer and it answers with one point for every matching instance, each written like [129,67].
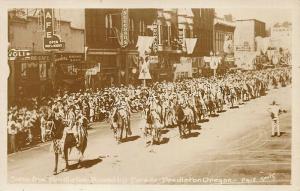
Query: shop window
[43,71]
[23,70]
[165,35]
[142,28]
[32,71]
[131,30]
[72,70]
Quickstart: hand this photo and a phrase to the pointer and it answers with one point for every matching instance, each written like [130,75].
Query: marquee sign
[51,40]
[155,35]
[124,28]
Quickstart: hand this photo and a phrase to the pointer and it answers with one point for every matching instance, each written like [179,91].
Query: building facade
[281,36]
[223,42]
[39,72]
[246,31]
[245,46]
[176,33]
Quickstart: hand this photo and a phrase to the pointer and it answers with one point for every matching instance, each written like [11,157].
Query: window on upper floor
[142,28]
[131,30]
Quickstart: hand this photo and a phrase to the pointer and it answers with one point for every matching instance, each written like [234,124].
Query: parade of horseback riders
[66,118]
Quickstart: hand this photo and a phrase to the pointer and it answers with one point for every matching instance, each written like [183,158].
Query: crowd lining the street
[27,123]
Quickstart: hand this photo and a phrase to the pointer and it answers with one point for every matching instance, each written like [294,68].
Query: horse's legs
[121,131]
[55,165]
[66,157]
[180,131]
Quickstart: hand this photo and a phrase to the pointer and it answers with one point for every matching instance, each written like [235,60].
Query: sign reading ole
[51,40]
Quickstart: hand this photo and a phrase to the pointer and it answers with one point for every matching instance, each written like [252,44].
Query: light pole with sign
[214,62]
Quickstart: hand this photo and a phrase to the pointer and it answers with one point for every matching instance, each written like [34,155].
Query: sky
[269,16]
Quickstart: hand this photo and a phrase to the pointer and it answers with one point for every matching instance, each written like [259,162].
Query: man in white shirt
[275,111]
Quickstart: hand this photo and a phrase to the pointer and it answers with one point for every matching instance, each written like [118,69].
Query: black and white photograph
[149,96]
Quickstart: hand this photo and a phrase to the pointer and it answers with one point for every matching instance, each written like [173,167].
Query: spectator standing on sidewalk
[12,132]
[275,111]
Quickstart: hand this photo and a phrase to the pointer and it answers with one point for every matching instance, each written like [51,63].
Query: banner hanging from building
[51,40]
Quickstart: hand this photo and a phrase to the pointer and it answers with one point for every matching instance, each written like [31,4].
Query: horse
[219,102]
[80,144]
[201,110]
[185,120]
[245,94]
[64,142]
[233,97]
[211,105]
[152,114]
[169,116]
[120,121]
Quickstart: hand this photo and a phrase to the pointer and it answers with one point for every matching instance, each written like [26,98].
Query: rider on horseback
[123,108]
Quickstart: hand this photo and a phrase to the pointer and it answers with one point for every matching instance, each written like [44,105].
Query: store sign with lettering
[155,35]
[13,53]
[51,40]
[124,28]
[36,58]
[180,37]
[69,57]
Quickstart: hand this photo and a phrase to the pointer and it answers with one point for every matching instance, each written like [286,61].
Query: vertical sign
[51,40]
[155,35]
[180,37]
[124,28]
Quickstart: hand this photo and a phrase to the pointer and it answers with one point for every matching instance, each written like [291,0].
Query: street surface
[233,148]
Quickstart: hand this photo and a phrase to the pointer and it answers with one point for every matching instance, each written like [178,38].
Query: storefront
[117,67]
[33,76]
[69,71]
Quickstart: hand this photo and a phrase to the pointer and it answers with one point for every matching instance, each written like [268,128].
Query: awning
[144,44]
[190,44]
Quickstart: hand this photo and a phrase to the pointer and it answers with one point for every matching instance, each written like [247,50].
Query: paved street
[233,148]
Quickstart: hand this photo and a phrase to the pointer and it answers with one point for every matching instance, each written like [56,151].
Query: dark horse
[183,122]
[120,122]
[69,141]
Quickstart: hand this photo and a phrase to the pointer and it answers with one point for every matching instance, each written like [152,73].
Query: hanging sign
[51,40]
[124,28]
[155,35]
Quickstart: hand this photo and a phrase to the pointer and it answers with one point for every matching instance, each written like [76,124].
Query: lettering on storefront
[124,28]
[51,40]
[35,58]
[155,35]
[13,53]
[69,57]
